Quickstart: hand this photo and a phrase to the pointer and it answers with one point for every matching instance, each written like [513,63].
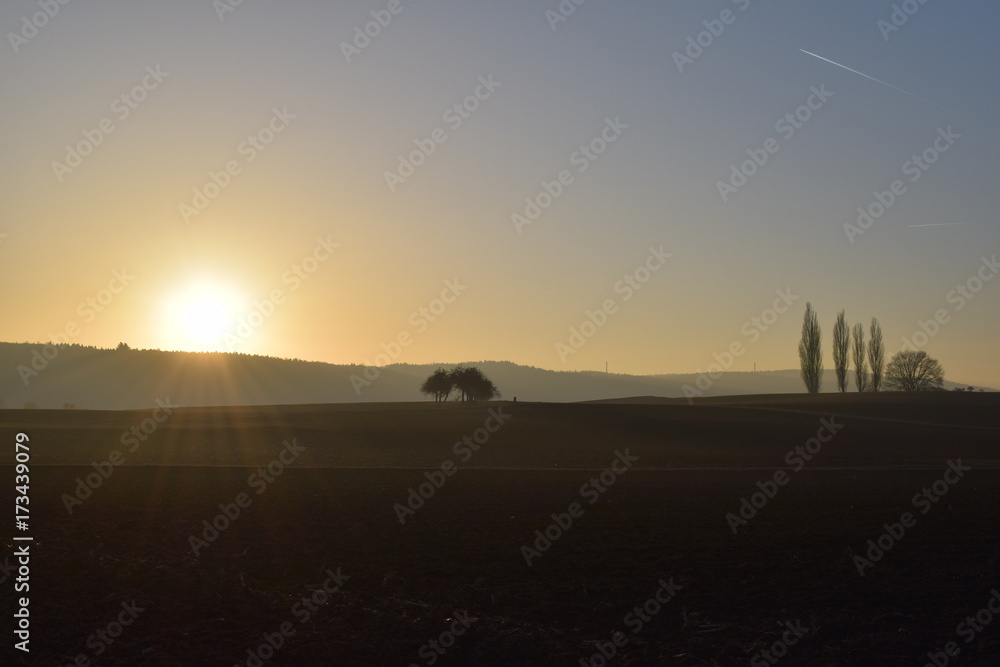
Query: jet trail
[944,224]
[887,85]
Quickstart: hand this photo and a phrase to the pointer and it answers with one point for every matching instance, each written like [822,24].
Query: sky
[647,185]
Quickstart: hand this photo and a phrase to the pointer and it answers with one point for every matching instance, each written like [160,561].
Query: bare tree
[911,370]
[841,344]
[860,365]
[473,384]
[811,351]
[438,384]
[876,355]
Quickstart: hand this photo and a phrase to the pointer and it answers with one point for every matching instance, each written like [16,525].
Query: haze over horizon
[171,170]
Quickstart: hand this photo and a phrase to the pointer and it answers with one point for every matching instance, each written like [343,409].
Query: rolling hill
[104,379]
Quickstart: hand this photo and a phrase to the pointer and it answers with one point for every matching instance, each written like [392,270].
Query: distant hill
[99,379]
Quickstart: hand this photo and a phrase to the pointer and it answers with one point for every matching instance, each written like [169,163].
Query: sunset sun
[199,317]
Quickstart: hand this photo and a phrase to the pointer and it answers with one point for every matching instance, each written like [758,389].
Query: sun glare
[200,317]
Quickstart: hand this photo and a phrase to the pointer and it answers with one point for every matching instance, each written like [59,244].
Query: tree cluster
[468,382]
[909,370]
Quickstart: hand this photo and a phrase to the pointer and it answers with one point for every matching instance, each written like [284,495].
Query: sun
[199,317]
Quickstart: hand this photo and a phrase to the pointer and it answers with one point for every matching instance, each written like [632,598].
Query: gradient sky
[323,176]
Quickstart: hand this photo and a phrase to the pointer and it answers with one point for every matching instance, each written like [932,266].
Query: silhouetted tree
[456,377]
[911,370]
[472,384]
[841,345]
[876,355]
[811,351]
[860,365]
[439,385]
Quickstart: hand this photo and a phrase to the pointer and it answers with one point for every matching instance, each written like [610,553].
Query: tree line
[909,370]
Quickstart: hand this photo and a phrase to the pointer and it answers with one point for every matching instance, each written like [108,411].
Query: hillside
[91,378]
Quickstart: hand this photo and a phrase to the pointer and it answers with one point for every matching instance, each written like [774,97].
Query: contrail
[887,85]
[944,224]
